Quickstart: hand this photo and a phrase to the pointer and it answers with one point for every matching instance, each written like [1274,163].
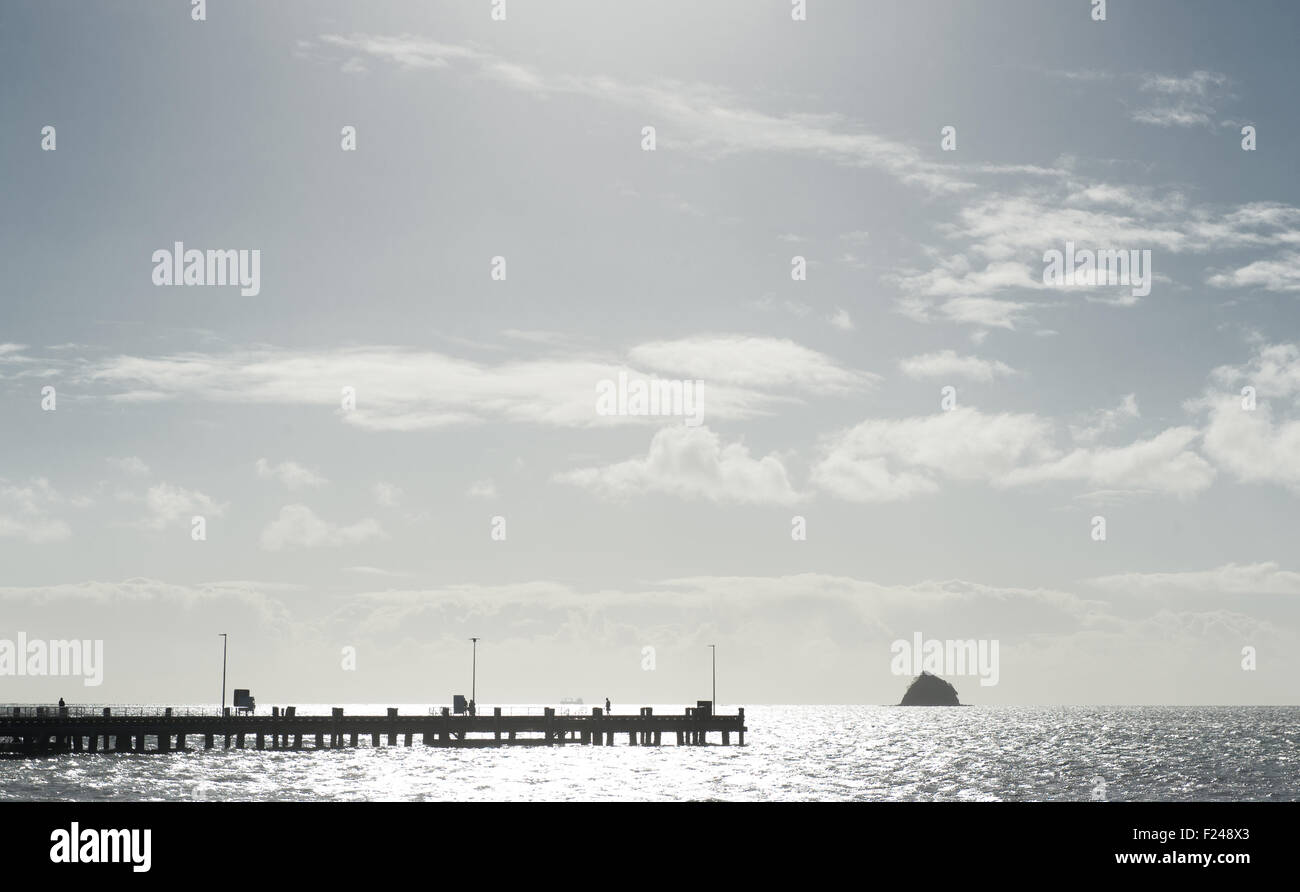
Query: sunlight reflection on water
[792,752]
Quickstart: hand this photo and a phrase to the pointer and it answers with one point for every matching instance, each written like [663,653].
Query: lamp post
[714,648]
[473,678]
[225,639]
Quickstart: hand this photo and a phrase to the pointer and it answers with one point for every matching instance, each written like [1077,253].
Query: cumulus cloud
[1258,445]
[26,512]
[1103,421]
[691,463]
[290,474]
[169,504]
[299,527]
[884,460]
[1164,463]
[1278,274]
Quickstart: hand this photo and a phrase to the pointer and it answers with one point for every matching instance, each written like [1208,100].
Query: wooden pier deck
[38,731]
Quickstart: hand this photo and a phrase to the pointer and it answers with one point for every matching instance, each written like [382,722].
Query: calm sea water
[792,752]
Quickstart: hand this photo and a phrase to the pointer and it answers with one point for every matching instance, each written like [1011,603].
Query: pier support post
[94,743]
[207,741]
[407,741]
[374,739]
[261,740]
[180,741]
[392,734]
[354,738]
[164,743]
[239,740]
[496,724]
[297,741]
[320,741]
[740,734]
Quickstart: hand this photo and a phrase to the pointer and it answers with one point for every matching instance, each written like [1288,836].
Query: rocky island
[930,690]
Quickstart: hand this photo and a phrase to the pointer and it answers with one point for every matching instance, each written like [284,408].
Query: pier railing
[33,710]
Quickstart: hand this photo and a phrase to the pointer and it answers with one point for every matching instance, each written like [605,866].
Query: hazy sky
[475,397]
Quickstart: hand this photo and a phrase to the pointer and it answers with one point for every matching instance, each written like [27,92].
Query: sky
[465,234]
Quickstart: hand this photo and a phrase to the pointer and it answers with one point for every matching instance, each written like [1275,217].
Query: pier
[36,730]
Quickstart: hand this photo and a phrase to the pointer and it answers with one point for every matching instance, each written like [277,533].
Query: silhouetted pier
[31,730]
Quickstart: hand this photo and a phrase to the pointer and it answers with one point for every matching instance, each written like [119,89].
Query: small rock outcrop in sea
[930,690]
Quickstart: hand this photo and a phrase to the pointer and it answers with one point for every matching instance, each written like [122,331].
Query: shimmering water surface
[792,752]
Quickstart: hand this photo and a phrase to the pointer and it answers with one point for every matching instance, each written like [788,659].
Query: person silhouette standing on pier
[606,706]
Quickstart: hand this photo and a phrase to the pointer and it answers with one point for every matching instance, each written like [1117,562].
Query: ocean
[1147,753]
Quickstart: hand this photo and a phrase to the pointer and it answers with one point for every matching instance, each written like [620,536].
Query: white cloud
[168,504]
[1262,445]
[1000,240]
[1164,463]
[483,489]
[1198,83]
[1104,421]
[841,319]
[691,462]
[1278,274]
[706,120]
[1230,579]
[886,460]
[948,364]
[1186,101]
[386,494]
[889,460]
[290,474]
[377,571]
[131,465]
[26,512]
[758,362]
[1182,114]
[297,526]
[403,389]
